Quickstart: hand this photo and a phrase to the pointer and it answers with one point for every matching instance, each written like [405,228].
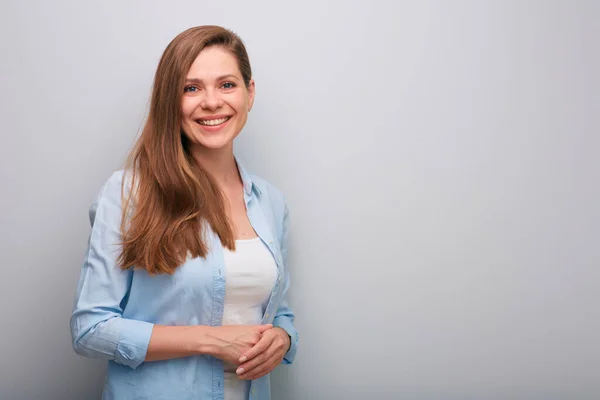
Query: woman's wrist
[285,336]
[206,342]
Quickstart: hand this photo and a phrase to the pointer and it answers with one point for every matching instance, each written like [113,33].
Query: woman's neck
[220,164]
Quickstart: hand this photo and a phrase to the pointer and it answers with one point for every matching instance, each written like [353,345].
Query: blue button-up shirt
[115,310]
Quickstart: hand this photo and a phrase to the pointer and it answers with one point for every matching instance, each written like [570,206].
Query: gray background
[440,158]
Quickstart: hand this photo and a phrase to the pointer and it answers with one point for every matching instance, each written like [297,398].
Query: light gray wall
[440,158]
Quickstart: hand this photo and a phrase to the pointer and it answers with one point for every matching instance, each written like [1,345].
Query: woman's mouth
[212,121]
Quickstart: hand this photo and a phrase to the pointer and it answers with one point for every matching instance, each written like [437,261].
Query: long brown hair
[169,200]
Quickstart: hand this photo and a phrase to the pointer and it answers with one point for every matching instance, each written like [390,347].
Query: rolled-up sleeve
[98,329]
[284,317]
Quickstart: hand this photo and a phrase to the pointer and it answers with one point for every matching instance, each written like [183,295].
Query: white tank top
[250,274]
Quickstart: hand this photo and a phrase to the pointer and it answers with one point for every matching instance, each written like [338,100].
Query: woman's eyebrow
[219,78]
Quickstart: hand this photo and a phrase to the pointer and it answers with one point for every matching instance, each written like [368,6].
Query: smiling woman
[187,253]
[215,105]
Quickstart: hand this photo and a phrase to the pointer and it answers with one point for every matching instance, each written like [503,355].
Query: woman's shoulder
[272,200]
[108,199]
[113,186]
[115,179]
[265,187]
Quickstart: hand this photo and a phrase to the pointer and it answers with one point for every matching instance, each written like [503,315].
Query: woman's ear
[251,93]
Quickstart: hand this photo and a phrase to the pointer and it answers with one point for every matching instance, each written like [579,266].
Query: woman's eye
[228,85]
[190,89]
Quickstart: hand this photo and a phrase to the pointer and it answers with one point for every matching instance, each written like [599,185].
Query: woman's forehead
[214,63]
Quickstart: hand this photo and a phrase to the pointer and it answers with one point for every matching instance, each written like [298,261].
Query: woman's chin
[212,144]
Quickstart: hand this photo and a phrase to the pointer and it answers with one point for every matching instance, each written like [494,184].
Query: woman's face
[215,101]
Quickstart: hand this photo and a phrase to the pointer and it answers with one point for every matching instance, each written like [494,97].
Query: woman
[184,282]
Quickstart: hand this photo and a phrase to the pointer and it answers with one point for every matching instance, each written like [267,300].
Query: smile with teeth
[212,122]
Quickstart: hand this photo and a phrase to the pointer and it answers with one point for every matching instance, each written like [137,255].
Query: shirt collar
[246,179]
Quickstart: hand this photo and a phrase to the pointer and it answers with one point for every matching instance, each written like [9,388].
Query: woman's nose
[212,100]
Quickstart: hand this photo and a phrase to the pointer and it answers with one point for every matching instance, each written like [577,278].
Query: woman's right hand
[231,341]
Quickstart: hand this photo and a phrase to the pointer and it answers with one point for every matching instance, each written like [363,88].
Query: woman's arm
[98,328]
[225,342]
[284,318]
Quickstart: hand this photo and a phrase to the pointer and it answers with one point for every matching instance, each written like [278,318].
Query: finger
[259,371]
[275,352]
[255,364]
[261,358]
[258,348]
[263,369]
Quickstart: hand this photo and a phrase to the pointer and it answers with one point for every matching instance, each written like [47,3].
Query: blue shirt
[115,310]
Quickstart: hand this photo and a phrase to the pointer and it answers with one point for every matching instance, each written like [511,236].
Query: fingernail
[243,359]
[240,371]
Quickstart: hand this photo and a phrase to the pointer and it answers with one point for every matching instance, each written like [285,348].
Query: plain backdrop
[440,160]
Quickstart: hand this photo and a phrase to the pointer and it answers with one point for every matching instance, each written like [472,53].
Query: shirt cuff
[132,347]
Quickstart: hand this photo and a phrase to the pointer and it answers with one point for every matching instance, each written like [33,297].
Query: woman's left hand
[265,355]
